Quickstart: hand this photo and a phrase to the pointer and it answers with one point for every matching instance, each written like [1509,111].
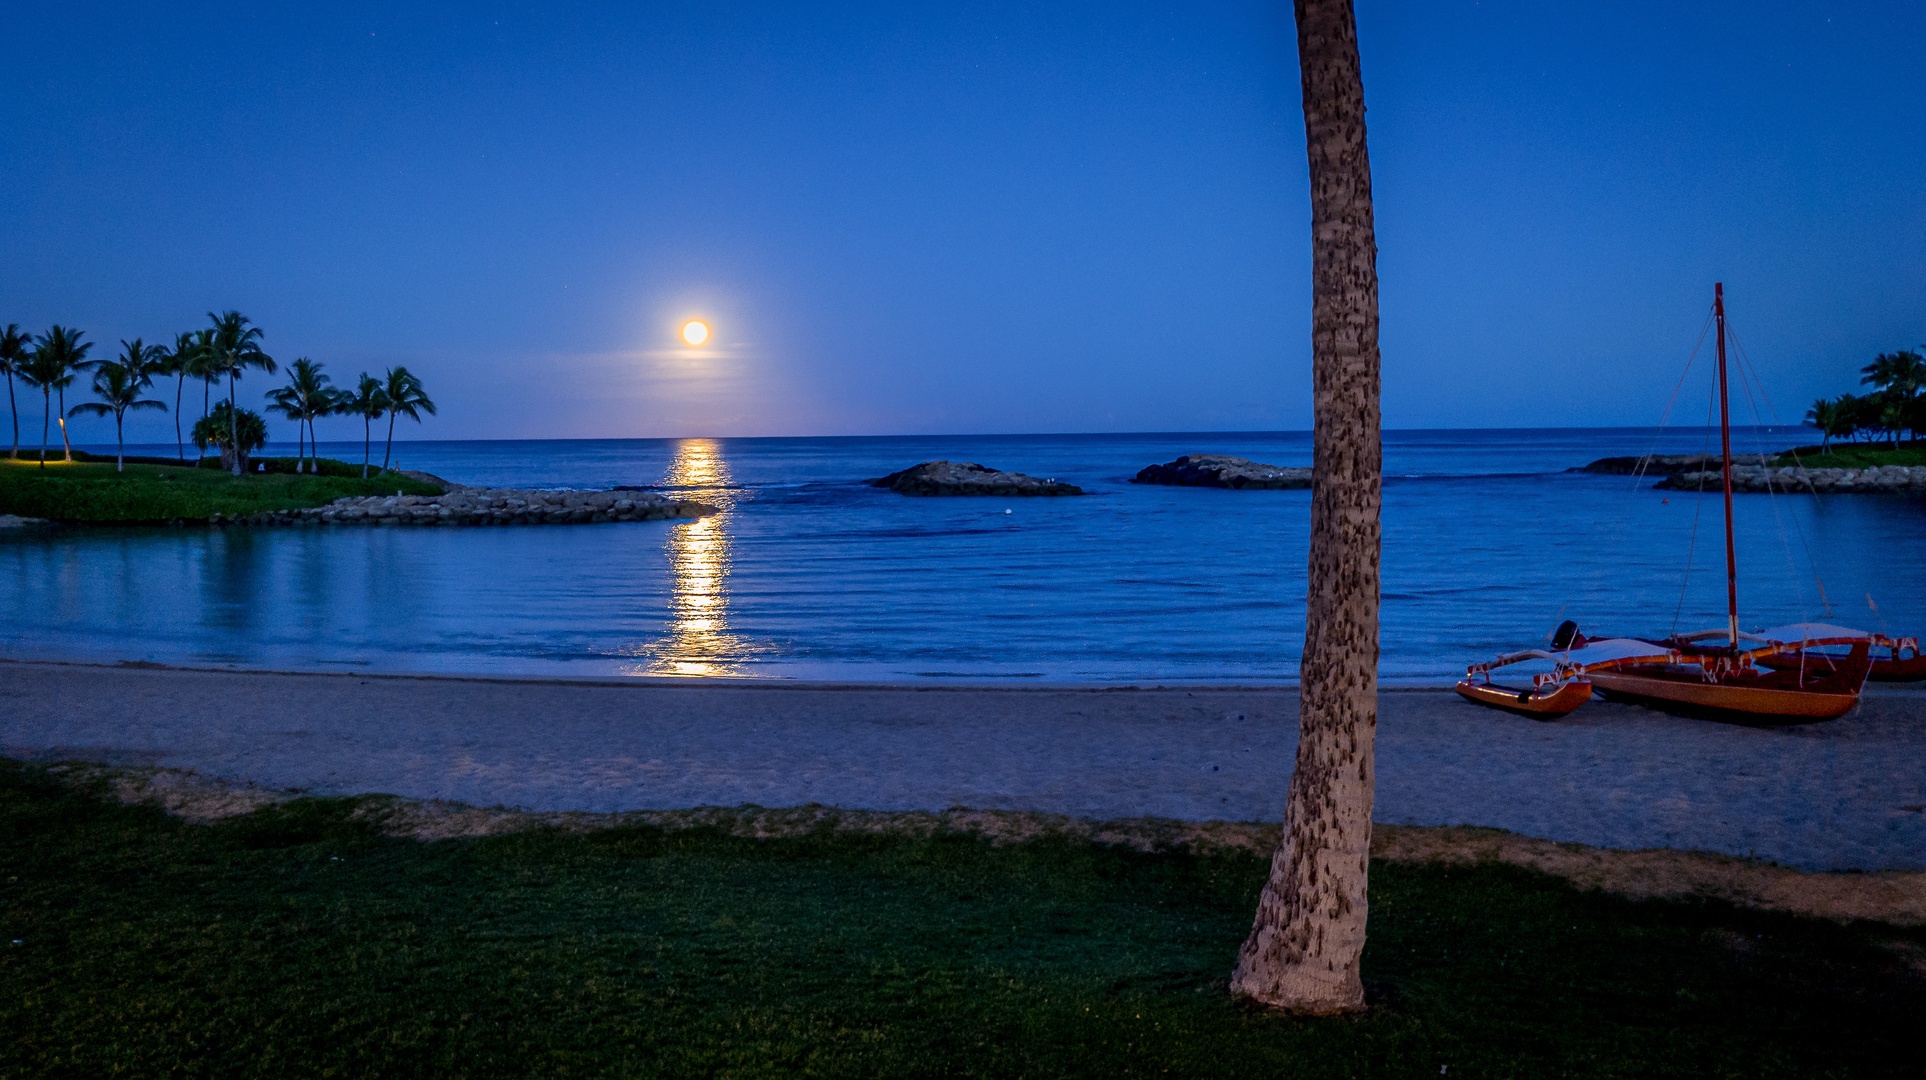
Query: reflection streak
[699,640]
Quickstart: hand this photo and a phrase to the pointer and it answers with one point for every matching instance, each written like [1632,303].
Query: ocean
[1489,541]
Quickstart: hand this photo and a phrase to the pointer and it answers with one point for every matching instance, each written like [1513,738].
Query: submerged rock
[968,478]
[1223,471]
[485,506]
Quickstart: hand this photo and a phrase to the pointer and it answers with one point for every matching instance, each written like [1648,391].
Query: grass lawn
[296,942]
[92,492]
[1845,455]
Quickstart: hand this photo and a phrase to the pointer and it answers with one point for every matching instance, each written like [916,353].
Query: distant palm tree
[1901,377]
[14,348]
[59,355]
[234,345]
[118,383]
[405,398]
[1825,415]
[181,361]
[306,396]
[368,401]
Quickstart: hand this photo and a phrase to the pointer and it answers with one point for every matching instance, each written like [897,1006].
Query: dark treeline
[219,353]
[1897,403]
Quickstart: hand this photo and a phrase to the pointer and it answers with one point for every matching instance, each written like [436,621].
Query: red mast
[1725,453]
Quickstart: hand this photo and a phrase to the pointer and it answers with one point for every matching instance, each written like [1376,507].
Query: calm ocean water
[1489,542]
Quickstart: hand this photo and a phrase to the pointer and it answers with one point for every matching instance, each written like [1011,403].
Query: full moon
[695,331]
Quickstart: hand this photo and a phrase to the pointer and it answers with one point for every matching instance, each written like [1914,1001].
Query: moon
[695,331]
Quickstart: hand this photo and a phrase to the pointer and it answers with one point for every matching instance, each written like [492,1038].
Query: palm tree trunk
[180,444]
[1303,951]
[388,450]
[46,422]
[300,446]
[367,443]
[64,440]
[233,424]
[14,411]
[207,389]
[120,445]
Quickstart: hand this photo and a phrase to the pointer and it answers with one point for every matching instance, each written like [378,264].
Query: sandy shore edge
[1896,898]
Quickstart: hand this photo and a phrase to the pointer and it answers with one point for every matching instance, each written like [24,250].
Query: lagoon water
[808,573]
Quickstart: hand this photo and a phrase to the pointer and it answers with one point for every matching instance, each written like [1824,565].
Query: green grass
[92,492]
[1847,455]
[296,942]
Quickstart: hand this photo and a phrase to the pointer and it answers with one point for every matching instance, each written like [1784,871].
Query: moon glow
[695,331]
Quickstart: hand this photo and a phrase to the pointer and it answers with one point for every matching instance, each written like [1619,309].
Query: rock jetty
[1891,479]
[484,506]
[1664,464]
[1223,471]
[968,478]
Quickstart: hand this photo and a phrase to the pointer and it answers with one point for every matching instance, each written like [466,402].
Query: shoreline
[1841,796]
[1894,897]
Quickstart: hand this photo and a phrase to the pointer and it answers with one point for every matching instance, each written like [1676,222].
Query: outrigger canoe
[1789,674]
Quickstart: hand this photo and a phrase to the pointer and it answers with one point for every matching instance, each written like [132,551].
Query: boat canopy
[1612,650]
[1810,631]
[1790,634]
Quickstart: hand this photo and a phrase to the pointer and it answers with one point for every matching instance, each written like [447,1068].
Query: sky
[964,218]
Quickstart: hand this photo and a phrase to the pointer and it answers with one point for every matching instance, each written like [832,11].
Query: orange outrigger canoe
[1789,674]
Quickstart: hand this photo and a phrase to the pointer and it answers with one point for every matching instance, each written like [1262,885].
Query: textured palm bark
[1303,951]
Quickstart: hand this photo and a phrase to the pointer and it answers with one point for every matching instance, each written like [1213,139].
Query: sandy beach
[1840,796]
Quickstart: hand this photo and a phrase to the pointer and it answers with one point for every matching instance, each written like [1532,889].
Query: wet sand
[1845,795]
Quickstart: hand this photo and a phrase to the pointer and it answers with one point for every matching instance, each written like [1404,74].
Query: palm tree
[182,360]
[1825,415]
[14,347]
[1305,943]
[204,368]
[306,396]
[58,356]
[368,401]
[234,345]
[118,384]
[1900,376]
[405,398]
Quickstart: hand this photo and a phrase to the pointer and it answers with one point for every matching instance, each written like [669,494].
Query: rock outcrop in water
[1885,479]
[1664,464]
[485,506]
[1223,471]
[968,478]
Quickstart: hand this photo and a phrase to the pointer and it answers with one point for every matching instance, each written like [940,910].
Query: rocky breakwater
[1887,479]
[485,506]
[968,478]
[1664,464]
[1223,471]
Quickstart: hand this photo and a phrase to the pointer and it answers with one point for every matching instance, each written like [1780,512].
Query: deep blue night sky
[966,218]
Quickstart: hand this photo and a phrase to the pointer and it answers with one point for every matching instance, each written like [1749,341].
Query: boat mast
[1725,454]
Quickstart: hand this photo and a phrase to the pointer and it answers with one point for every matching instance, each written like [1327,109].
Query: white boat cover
[1808,631]
[1790,634]
[1599,652]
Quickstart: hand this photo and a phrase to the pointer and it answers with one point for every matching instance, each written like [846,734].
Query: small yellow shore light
[695,332]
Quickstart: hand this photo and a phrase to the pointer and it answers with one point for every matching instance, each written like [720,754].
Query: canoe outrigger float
[1789,674]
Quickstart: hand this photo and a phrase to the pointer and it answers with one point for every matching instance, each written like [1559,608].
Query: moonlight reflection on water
[699,641]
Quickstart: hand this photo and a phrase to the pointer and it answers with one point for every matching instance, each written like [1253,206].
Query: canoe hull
[1747,701]
[1562,701]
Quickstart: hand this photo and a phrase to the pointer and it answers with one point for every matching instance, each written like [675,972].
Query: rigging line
[1698,506]
[1638,471]
[1746,379]
[1747,368]
[1641,468]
